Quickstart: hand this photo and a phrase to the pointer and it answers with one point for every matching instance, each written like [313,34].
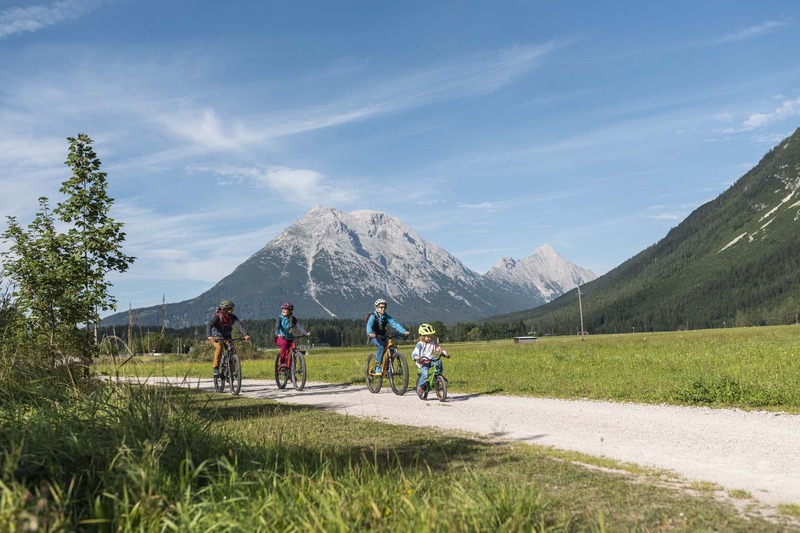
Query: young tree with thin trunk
[61,277]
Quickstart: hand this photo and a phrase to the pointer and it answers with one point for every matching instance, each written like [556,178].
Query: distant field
[734,367]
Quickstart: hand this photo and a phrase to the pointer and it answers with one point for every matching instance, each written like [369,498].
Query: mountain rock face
[735,261]
[543,272]
[335,264]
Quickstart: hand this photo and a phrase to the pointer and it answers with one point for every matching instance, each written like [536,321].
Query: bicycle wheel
[219,382]
[441,387]
[235,374]
[374,382]
[398,373]
[281,375]
[424,395]
[298,370]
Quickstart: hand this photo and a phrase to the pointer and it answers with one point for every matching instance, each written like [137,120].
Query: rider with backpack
[220,327]
[377,323]
[284,332]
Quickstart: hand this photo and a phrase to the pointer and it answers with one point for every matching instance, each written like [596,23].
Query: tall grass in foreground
[124,458]
[735,367]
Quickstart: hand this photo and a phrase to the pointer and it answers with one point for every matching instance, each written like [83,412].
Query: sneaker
[420,392]
[378,369]
[216,372]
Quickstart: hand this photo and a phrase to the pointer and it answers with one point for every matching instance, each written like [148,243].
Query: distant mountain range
[335,264]
[735,261]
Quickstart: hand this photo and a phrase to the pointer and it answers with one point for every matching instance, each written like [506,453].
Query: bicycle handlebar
[392,336]
[231,339]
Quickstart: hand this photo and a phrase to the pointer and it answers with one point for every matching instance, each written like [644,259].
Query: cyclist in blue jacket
[376,329]
[284,331]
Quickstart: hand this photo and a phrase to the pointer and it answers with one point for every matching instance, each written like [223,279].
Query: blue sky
[490,128]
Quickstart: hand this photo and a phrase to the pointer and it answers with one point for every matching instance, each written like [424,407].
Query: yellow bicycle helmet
[426,329]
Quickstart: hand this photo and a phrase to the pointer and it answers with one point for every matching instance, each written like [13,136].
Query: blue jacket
[377,324]
[285,325]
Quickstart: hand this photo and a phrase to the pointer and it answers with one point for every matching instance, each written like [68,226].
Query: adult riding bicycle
[296,370]
[230,368]
[436,380]
[395,367]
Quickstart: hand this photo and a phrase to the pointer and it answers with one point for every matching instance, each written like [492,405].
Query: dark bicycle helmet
[226,304]
[288,306]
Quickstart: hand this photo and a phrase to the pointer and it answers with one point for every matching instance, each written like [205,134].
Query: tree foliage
[60,277]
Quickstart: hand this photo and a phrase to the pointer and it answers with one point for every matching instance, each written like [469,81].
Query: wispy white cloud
[16,20]
[752,31]
[789,108]
[122,90]
[303,186]
[482,206]
[168,247]
[669,216]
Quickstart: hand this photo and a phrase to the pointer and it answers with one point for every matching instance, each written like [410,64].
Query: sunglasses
[381,307]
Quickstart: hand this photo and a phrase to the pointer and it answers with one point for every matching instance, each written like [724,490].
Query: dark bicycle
[395,367]
[296,370]
[230,368]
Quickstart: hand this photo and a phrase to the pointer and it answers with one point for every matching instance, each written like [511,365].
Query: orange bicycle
[395,367]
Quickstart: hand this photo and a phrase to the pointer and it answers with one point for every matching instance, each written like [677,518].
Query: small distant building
[522,340]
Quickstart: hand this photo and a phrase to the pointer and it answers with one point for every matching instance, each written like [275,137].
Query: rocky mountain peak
[330,263]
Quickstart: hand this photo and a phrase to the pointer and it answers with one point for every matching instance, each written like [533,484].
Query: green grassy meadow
[99,456]
[734,367]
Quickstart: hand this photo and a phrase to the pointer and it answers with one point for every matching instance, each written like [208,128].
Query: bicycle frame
[229,359]
[393,365]
[294,369]
[434,375]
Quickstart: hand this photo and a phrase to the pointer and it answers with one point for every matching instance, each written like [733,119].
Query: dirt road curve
[754,451]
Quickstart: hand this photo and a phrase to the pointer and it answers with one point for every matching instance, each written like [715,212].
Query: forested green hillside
[733,261]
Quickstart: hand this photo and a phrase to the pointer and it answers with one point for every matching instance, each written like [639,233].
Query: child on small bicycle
[284,332]
[376,330]
[220,327]
[423,354]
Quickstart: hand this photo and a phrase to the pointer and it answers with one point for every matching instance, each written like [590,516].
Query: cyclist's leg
[380,343]
[285,346]
[423,375]
[217,355]
[440,366]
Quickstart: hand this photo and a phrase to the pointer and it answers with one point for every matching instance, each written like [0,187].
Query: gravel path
[755,451]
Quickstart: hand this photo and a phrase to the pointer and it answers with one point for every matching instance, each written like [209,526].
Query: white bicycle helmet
[380,301]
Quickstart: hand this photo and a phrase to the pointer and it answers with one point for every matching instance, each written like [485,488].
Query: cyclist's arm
[415,355]
[209,325]
[371,325]
[302,329]
[397,325]
[279,327]
[241,329]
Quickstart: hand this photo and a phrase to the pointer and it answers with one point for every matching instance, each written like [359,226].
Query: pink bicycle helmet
[288,306]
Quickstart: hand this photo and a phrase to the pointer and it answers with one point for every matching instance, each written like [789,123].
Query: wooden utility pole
[580,310]
[130,329]
[163,313]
